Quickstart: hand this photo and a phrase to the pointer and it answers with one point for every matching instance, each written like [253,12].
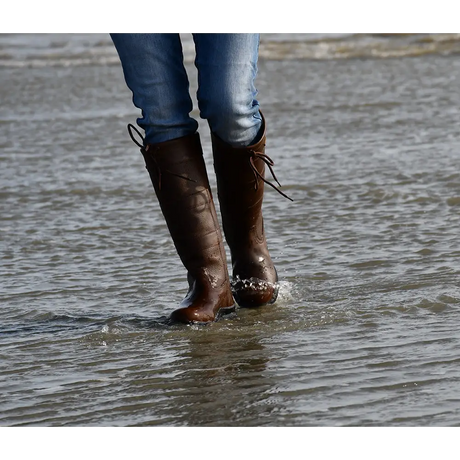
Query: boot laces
[149,157]
[270,163]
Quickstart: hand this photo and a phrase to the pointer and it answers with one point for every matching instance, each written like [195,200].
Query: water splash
[285,288]
[285,293]
[253,283]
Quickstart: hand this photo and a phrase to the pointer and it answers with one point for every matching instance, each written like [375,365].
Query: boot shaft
[179,178]
[240,174]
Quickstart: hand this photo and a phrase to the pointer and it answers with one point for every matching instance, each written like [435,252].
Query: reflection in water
[222,381]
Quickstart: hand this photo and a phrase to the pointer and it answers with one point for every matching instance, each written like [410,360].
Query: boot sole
[221,313]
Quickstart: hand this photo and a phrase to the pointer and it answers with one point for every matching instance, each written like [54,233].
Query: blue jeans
[227,67]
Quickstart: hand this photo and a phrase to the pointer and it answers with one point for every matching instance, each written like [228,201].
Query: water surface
[364,133]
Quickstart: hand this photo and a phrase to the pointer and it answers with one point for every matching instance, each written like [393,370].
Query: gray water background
[364,131]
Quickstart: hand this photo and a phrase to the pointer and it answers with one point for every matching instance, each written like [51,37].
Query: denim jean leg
[227,68]
[154,71]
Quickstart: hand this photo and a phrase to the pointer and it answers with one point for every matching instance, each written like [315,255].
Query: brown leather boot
[240,185]
[179,177]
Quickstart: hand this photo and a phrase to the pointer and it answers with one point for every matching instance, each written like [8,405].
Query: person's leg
[153,67]
[154,71]
[227,68]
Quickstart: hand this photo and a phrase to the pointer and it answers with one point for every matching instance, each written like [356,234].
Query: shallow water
[365,331]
